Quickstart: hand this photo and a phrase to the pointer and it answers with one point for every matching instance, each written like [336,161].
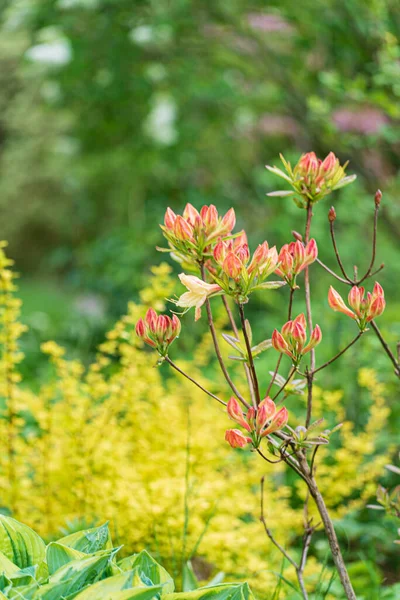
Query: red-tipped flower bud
[332,214]
[378,198]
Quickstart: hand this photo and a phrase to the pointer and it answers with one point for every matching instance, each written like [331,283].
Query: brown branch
[249,355]
[374,235]
[309,319]
[339,260]
[236,332]
[324,266]
[179,370]
[387,349]
[217,349]
[289,377]
[339,354]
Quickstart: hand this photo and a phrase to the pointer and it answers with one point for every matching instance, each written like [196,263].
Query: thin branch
[309,318]
[217,349]
[290,307]
[236,332]
[339,354]
[250,355]
[269,532]
[371,264]
[339,260]
[387,349]
[324,266]
[289,377]
[174,366]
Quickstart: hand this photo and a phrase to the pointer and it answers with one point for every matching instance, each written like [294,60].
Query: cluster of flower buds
[158,331]
[192,235]
[258,423]
[363,309]
[294,258]
[237,274]
[292,338]
[312,178]
[197,294]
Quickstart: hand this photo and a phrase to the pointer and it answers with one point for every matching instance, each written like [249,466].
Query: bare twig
[387,349]
[174,366]
[289,377]
[371,265]
[217,349]
[324,266]
[339,354]
[309,319]
[339,260]
[236,332]
[249,355]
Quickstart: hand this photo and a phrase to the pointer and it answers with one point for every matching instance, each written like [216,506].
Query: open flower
[363,309]
[312,178]
[294,258]
[292,338]
[158,331]
[236,273]
[198,292]
[258,423]
[192,235]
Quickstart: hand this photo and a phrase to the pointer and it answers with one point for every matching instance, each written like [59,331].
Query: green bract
[84,566]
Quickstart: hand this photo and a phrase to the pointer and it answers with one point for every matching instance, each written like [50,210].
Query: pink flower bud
[378,290]
[265,411]
[210,217]
[240,240]
[243,254]
[315,339]
[236,439]
[232,265]
[332,214]
[169,219]
[191,215]
[301,320]
[228,222]
[161,326]
[236,413]
[182,230]
[336,302]
[278,342]
[298,252]
[329,164]
[378,198]
[299,334]
[355,298]
[278,421]
[311,252]
[151,319]
[308,163]
[140,328]
[220,252]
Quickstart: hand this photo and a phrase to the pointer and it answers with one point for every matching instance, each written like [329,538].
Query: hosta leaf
[58,555]
[224,591]
[189,579]
[108,589]
[89,540]
[151,569]
[7,567]
[20,544]
[74,576]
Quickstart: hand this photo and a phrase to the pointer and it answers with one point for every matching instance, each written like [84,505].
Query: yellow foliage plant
[128,442]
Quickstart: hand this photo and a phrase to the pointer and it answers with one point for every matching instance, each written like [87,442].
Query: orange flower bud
[209,214]
[191,215]
[232,265]
[278,421]
[315,339]
[182,230]
[336,302]
[265,411]
[158,331]
[236,439]
[329,164]
[228,222]
[169,219]
[151,319]
[236,414]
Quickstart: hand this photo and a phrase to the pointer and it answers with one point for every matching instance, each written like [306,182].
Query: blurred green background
[112,110]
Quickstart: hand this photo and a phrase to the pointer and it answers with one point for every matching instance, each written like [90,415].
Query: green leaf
[74,576]
[261,347]
[109,588]
[58,555]
[189,579]
[281,193]
[89,540]
[224,591]
[20,544]
[269,285]
[150,569]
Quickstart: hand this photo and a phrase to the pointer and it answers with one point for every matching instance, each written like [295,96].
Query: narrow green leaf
[189,579]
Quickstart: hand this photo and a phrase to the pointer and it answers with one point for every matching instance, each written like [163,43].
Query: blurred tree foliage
[112,110]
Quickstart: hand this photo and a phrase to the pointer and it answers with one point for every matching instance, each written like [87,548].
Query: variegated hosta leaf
[224,591]
[89,540]
[20,544]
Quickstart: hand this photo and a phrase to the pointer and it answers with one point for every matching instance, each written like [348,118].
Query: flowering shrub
[224,267]
[95,444]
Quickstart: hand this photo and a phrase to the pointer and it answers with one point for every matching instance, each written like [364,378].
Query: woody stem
[309,319]
[249,355]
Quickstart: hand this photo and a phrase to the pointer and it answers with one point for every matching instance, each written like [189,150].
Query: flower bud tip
[332,214]
[378,198]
